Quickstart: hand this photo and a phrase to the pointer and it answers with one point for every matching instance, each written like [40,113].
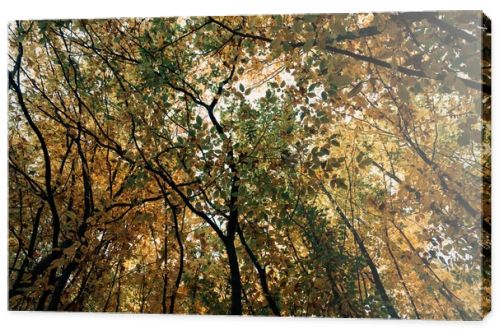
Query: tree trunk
[236,307]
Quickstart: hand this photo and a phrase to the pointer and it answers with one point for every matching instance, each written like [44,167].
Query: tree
[329,165]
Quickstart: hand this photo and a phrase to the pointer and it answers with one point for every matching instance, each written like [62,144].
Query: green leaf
[335,142]
[340,182]
[324,95]
[324,151]
[308,45]
[355,91]
[338,162]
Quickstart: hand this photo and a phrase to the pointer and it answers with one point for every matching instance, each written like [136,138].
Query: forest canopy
[330,165]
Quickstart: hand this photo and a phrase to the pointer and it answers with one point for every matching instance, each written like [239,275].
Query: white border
[31,322]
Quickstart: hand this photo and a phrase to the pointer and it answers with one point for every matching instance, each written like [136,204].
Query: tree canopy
[294,165]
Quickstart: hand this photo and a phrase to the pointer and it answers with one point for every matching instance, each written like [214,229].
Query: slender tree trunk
[373,268]
[400,274]
[165,272]
[60,285]
[236,307]
[31,250]
[262,275]
[181,260]
[119,291]
[115,275]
